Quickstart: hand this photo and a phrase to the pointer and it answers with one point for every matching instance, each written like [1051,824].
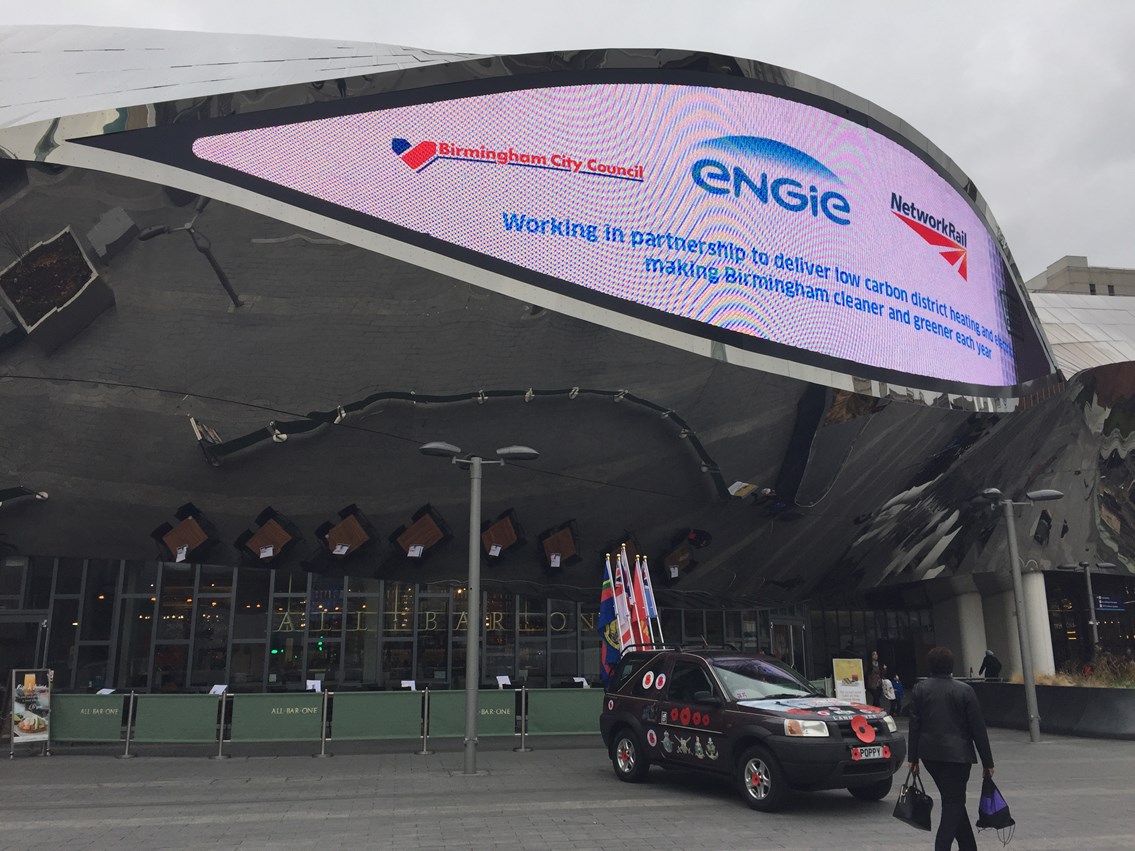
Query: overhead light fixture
[517,453]
[440,449]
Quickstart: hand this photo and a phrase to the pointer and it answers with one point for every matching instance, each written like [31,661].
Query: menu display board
[849,684]
[31,705]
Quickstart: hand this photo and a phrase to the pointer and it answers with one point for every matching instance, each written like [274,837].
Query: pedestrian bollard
[323,730]
[523,722]
[425,751]
[221,729]
[129,726]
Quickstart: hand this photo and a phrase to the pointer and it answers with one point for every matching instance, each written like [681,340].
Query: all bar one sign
[427,622]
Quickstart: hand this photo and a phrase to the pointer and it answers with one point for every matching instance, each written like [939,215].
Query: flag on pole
[609,647]
[651,606]
[634,603]
[643,607]
[622,612]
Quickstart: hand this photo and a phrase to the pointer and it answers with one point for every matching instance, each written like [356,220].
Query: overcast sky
[1032,98]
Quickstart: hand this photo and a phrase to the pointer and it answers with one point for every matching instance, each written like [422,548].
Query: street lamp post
[473,632]
[994,495]
[1091,605]
[1092,622]
[201,243]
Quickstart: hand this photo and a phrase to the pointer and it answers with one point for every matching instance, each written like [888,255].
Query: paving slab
[1065,793]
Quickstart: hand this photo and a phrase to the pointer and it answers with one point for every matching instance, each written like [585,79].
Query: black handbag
[914,805]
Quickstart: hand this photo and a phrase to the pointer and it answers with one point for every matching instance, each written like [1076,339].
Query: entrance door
[787,641]
[22,638]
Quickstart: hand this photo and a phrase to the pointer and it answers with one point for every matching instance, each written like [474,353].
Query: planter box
[63,321]
[1101,713]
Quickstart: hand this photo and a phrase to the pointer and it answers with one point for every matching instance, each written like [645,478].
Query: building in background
[780,357]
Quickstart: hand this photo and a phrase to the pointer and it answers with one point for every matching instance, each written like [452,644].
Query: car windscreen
[758,679]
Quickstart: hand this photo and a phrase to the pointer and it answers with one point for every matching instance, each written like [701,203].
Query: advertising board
[31,706]
[849,683]
[754,214]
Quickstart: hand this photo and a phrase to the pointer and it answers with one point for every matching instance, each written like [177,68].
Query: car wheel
[628,758]
[761,780]
[873,791]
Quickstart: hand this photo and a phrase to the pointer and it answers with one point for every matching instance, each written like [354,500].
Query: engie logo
[421,156]
[939,232]
[715,176]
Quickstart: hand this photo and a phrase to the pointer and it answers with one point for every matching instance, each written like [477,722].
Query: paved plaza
[1065,794]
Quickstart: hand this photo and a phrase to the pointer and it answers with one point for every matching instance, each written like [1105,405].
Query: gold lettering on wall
[428,621]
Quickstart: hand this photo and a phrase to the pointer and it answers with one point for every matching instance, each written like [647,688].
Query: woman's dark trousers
[951,779]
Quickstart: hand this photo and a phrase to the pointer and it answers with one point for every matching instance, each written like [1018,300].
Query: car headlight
[890,722]
[797,727]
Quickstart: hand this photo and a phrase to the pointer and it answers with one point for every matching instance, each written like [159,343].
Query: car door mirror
[706,697]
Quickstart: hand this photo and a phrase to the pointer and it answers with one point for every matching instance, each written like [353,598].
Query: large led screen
[765,217]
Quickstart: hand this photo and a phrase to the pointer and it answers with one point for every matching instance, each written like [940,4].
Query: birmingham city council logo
[421,156]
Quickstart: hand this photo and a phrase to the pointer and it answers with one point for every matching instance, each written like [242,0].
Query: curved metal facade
[862,490]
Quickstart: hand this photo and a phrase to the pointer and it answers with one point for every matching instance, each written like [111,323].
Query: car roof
[707,653]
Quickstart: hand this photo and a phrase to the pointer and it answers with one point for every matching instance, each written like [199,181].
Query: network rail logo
[944,235]
[421,156]
[763,176]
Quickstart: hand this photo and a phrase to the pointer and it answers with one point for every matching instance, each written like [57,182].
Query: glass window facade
[170,627]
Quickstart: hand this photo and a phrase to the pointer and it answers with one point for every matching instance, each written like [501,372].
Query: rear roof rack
[656,647]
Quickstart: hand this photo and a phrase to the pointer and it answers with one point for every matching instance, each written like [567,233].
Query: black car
[747,716]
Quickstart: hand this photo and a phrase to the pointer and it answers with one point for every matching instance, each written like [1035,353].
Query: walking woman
[945,724]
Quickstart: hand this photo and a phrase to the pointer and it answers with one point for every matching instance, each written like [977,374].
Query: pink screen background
[349,161]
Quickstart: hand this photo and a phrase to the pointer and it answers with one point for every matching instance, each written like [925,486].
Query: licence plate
[874,752]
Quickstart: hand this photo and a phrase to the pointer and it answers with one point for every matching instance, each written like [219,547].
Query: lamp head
[992,494]
[1045,495]
[151,232]
[517,453]
[439,449]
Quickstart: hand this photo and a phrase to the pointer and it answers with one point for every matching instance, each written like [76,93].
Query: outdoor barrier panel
[376,715]
[496,717]
[277,717]
[86,717]
[175,717]
[556,711]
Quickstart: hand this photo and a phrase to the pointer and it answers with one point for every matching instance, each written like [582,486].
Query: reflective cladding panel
[313,397]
